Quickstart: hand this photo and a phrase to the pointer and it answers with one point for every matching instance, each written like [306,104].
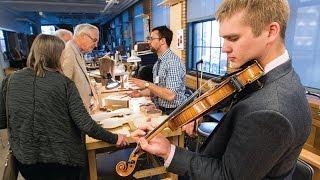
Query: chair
[145,73]
[215,116]
[188,92]
[206,128]
[302,171]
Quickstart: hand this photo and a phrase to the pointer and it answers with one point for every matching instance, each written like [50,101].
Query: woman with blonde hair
[46,116]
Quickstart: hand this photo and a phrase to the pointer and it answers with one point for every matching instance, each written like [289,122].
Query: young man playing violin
[262,134]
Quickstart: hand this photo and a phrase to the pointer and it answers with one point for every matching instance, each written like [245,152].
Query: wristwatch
[146,85]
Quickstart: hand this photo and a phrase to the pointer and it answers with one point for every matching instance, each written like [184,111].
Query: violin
[188,112]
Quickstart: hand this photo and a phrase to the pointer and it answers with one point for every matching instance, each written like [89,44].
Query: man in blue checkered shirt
[169,73]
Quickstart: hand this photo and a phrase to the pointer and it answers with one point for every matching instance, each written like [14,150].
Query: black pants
[49,171]
[166,111]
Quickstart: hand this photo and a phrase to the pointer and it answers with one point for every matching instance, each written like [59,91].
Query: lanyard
[157,79]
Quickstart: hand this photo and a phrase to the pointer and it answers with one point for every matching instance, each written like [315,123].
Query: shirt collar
[277,62]
[163,55]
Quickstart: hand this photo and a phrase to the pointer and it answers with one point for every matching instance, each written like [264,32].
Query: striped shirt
[172,75]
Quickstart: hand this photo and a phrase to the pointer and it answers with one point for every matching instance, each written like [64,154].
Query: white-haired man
[85,39]
[64,34]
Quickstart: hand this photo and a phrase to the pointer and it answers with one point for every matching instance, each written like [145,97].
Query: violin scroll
[124,168]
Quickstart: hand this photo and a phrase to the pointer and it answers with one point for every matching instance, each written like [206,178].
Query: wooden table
[93,145]
[102,89]
[176,137]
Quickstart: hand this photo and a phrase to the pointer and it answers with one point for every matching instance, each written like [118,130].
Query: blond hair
[257,13]
[45,53]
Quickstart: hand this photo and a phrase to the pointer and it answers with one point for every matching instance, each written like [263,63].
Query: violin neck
[156,131]
[164,124]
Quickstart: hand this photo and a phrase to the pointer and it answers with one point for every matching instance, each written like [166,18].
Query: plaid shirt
[172,75]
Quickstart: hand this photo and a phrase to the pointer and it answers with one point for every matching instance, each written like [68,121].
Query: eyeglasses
[92,39]
[149,38]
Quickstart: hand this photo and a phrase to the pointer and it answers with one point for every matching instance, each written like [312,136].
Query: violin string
[187,101]
[182,106]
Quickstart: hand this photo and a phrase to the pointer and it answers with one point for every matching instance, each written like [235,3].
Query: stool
[302,171]
[206,128]
[215,115]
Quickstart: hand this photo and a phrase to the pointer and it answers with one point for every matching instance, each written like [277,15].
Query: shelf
[169,2]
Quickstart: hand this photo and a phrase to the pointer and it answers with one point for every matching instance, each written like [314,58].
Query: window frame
[191,49]
[4,39]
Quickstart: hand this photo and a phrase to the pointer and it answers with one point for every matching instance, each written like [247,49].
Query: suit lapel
[79,56]
[80,62]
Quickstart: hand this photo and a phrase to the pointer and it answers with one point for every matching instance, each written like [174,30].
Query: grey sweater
[47,118]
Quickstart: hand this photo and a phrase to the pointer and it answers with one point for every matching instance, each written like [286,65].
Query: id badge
[157,80]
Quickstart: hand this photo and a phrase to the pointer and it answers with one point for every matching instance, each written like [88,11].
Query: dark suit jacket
[259,138]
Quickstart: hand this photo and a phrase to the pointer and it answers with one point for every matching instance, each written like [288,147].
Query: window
[126,33]
[207,45]
[2,42]
[138,22]
[118,32]
[302,41]
[47,30]
[160,14]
